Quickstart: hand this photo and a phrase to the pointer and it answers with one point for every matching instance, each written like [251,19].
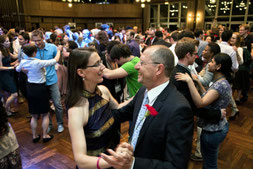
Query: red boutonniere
[151,111]
[215,36]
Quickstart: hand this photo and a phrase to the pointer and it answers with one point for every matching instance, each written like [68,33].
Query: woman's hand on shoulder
[183,77]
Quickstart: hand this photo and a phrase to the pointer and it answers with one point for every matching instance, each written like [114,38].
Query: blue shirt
[47,53]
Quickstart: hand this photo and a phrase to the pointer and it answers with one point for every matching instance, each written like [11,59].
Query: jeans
[210,142]
[56,98]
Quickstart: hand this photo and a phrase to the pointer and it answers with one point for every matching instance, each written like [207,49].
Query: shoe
[60,128]
[49,128]
[48,139]
[234,116]
[37,139]
[195,158]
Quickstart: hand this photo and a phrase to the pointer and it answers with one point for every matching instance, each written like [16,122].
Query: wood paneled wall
[48,14]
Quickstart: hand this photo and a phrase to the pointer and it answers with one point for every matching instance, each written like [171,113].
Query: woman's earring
[83,79]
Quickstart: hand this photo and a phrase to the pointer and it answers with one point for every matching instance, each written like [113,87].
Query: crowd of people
[158,80]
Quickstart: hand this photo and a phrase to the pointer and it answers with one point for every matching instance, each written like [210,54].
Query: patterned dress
[101,131]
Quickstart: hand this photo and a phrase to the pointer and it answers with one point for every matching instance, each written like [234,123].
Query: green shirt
[132,78]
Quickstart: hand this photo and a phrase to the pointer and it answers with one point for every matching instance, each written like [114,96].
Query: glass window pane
[173,20]
[183,9]
[164,20]
[210,7]
[235,27]
[163,11]
[224,7]
[250,8]
[153,11]
[239,7]
[223,19]
[209,19]
[237,19]
[174,10]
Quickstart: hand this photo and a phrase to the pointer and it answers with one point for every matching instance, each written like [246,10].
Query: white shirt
[172,48]
[16,46]
[226,48]
[35,67]
[152,96]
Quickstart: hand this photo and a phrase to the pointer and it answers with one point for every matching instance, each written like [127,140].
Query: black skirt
[38,98]
[242,80]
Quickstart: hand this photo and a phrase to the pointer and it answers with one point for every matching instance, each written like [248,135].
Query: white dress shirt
[172,48]
[35,67]
[226,48]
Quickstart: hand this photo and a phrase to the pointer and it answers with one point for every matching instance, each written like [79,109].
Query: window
[174,10]
[210,7]
[239,7]
[224,7]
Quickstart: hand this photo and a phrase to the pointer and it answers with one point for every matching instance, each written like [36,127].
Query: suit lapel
[157,105]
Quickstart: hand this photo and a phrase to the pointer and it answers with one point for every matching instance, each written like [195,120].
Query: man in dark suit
[161,141]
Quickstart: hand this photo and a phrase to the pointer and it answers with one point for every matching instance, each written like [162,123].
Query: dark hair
[110,45]
[226,36]
[186,33]
[29,49]
[72,45]
[103,37]
[53,37]
[163,55]
[120,50]
[131,33]
[197,33]
[162,42]
[214,48]
[5,52]
[18,29]
[175,35]
[159,34]
[78,58]
[226,64]
[184,46]
[3,120]
[25,35]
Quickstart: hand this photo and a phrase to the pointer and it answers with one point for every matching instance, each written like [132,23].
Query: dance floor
[236,152]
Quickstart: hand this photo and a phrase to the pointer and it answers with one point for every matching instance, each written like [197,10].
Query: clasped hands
[122,158]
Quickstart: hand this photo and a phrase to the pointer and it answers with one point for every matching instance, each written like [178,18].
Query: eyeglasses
[146,63]
[99,63]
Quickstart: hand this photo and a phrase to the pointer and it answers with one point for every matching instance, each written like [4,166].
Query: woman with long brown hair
[91,124]
[7,82]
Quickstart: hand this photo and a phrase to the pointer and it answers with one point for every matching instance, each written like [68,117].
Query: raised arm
[115,73]
[211,95]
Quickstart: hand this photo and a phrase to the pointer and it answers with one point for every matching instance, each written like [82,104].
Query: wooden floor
[236,152]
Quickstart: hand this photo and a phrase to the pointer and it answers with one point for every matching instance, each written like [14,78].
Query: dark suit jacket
[165,140]
[213,115]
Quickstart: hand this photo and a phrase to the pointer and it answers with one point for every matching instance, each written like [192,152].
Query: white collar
[155,92]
